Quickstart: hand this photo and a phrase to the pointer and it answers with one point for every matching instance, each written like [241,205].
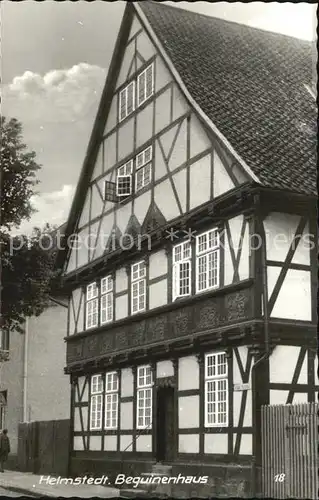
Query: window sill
[220,427]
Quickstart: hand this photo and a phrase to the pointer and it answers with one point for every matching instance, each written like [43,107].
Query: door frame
[163,383]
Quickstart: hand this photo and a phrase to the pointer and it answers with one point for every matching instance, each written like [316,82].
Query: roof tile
[250,83]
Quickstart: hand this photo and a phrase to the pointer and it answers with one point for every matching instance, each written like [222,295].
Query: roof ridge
[226,21]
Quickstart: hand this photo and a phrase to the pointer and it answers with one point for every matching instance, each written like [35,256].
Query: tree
[18,175]
[27,262]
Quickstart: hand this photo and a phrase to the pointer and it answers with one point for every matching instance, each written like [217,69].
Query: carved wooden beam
[200,358]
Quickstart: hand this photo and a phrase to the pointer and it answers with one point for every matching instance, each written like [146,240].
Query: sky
[55,65]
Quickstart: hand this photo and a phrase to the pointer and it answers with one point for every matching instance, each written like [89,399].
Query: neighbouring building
[33,386]
[203,154]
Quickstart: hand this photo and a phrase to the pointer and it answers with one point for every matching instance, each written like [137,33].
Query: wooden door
[166,432]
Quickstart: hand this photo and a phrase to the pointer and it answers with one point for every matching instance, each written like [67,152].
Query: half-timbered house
[191,256]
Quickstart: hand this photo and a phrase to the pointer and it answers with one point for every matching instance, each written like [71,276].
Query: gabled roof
[251,84]
[248,83]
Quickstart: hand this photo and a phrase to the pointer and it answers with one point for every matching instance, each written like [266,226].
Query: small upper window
[145,84]
[143,174]
[145,89]
[127,101]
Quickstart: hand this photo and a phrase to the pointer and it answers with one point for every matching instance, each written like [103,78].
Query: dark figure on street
[4,448]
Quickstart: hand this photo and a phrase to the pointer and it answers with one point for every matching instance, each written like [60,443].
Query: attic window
[145,89]
[145,84]
[127,101]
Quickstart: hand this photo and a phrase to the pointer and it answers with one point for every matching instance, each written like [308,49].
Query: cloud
[64,95]
[51,207]
[57,111]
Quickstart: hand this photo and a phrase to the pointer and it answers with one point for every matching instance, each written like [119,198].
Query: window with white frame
[143,166]
[207,260]
[96,402]
[145,84]
[127,101]
[182,254]
[111,400]
[216,390]
[106,300]
[92,305]
[124,179]
[138,287]
[144,397]
[145,89]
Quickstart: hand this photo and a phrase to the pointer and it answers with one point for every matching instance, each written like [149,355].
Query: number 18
[279,478]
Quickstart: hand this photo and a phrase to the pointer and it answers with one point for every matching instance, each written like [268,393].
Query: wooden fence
[43,447]
[290,451]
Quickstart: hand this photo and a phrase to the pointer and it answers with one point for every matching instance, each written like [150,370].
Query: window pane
[149,81]
[139,179]
[186,250]
[138,270]
[91,291]
[213,238]
[107,307]
[202,273]
[184,278]
[144,378]
[141,87]
[177,253]
[92,313]
[140,160]
[130,98]
[148,154]
[143,177]
[128,167]
[123,104]
[202,243]
[107,284]
[144,412]
[123,185]
[216,389]
[96,384]
[212,269]
[138,289]
[96,412]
